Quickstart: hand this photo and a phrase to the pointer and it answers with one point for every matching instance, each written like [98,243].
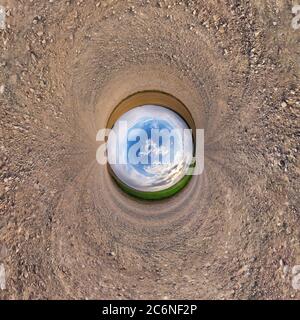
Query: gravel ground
[67,231]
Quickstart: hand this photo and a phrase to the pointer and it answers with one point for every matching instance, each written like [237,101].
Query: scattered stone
[33,57]
[3,252]
[132,10]
[285,270]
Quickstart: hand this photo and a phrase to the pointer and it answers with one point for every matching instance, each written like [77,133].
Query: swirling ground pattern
[69,231]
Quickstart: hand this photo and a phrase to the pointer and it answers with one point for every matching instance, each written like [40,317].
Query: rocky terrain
[67,231]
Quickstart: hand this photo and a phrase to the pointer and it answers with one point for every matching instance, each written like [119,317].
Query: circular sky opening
[150,151]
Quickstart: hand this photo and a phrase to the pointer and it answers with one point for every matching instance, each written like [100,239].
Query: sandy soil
[67,231]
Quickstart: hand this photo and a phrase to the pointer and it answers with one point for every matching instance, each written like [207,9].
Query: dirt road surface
[67,231]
